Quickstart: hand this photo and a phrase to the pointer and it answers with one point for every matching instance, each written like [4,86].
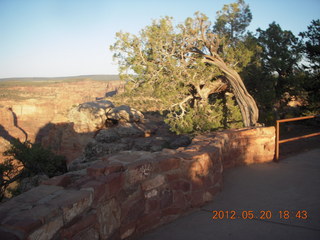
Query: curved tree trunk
[247,104]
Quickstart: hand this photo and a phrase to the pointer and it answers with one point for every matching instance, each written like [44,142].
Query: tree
[312,80]
[233,20]
[184,66]
[312,44]
[281,54]
[210,50]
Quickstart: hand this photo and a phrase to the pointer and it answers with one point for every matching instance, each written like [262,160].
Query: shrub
[26,159]
[221,113]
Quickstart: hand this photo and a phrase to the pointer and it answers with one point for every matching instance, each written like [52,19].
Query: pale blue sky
[49,38]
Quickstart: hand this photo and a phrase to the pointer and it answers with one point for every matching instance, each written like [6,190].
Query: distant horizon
[60,77]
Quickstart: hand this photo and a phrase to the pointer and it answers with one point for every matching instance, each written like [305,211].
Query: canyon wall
[31,111]
[123,195]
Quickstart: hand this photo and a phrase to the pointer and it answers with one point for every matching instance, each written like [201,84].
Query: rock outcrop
[90,116]
[125,113]
[146,136]
[130,136]
[93,116]
[119,128]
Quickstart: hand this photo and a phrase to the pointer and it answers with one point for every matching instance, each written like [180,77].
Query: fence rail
[278,141]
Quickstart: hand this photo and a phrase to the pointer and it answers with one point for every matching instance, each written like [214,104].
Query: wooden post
[277,140]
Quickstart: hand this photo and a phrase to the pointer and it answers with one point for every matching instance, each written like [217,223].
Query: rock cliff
[34,111]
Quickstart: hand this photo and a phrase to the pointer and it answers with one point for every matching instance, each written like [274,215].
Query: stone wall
[126,194]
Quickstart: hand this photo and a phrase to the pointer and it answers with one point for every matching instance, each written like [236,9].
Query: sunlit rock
[90,116]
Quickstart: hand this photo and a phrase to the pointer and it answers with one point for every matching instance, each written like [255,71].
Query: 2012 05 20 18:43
[262,214]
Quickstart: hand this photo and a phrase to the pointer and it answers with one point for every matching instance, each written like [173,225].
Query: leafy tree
[311,81]
[281,54]
[312,44]
[26,160]
[184,66]
[233,20]
[281,71]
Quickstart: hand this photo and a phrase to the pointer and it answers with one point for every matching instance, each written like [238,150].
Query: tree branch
[180,104]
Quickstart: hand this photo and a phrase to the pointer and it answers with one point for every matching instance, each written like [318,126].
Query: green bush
[220,113]
[25,159]
[36,159]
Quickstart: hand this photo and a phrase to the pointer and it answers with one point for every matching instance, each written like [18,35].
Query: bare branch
[180,104]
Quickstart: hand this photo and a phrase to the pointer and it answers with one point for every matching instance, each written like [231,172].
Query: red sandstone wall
[126,194]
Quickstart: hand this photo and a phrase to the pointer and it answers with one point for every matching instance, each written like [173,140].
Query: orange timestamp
[262,214]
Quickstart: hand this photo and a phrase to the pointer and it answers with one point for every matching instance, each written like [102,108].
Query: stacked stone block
[123,195]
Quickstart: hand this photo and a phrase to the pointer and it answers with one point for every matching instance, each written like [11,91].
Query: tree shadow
[5,134]
[15,123]
[62,139]
[43,132]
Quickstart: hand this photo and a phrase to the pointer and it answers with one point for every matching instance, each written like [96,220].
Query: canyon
[31,111]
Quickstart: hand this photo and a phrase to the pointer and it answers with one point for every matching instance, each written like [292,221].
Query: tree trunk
[247,104]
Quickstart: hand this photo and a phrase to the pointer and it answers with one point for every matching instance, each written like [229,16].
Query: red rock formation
[37,106]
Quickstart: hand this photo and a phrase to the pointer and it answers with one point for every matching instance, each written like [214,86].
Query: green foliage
[233,19]
[261,85]
[280,60]
[230,25]
[311,81]
[143,103]
[35,159]
[275,77]
[5,168]
[161,62]
[312,44]
[281,50]
[25,159]
[220,114]
[202,119]
[157,61]
[232,112]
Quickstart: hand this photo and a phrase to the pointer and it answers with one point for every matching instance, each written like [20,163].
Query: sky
[54,38]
